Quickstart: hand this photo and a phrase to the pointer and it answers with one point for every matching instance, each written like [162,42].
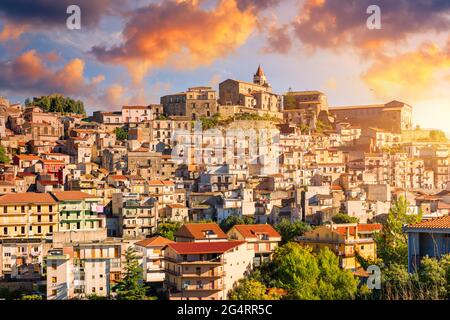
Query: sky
[131,52]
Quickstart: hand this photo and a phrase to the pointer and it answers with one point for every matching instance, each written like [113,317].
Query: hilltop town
[206,187]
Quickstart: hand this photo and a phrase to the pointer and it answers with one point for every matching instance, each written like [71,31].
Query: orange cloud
[12,32]
[179,34]
[29,73]
[411,76]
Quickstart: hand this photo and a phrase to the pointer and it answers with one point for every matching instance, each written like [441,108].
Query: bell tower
[260,78]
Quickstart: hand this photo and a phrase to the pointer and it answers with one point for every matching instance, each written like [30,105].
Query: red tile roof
[438,223]
[197,231]
[26,198]
[161,183]
[28,157]
[251,230]
[71,195]
[204,247]
[154,241]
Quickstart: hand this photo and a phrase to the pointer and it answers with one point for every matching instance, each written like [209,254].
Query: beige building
[205,271]
[200,232]
[394,116]
[262,238]
[152,252]
[345,240]
[78,270]
[193,104]
[257,95]
[28,215]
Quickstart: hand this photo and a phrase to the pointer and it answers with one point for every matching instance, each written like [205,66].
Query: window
[38,208]
[54,279]
[54,292]
[5,230]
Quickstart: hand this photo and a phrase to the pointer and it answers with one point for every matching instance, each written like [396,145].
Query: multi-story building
[200,232]
[345,240]
[152,251]
[22,258]
[205,271]
[136,114]
[78,270]
[28,215]
[394,116]
[257,95]
[138,219]
[262,237]
[303,107]
[79,211]
[193,104]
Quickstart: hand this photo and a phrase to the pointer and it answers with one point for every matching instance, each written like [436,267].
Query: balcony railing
[218,260]
[208,274]
[194,287]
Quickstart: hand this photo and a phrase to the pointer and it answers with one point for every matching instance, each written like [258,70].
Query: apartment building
[205,271]
[152,251]
[23,259]
[78,270]
[79,211]
[193,104]
[262,237]
[138,218]
[345,240]
[200,232]
[28,215]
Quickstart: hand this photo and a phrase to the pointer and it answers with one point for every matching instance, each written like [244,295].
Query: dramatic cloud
[332,23]
[278,40]
[178,34]
[10,32]
[256,5]
[29,73]
[53,13]
[412,76]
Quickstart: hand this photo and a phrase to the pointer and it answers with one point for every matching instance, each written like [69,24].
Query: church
[251,95]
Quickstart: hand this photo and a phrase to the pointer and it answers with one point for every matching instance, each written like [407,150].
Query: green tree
[31,297]
[3,156]
[344,218]
[232,220]
[168,229]
[334,283]
[295,269]
[131,287]
[306,276]
[251,289]
[392,242]
[121,134]
[289,231]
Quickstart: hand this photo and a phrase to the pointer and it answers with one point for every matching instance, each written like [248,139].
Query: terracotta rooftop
[160,183]
[204,247]
[154,241]
[438,223]
[176,206]
[28,157]
[251,230]
[27,197]
[199,231]
[71,195]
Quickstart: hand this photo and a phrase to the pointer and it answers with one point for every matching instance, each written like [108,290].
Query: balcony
[218,261]
[195,287]
[196,275]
